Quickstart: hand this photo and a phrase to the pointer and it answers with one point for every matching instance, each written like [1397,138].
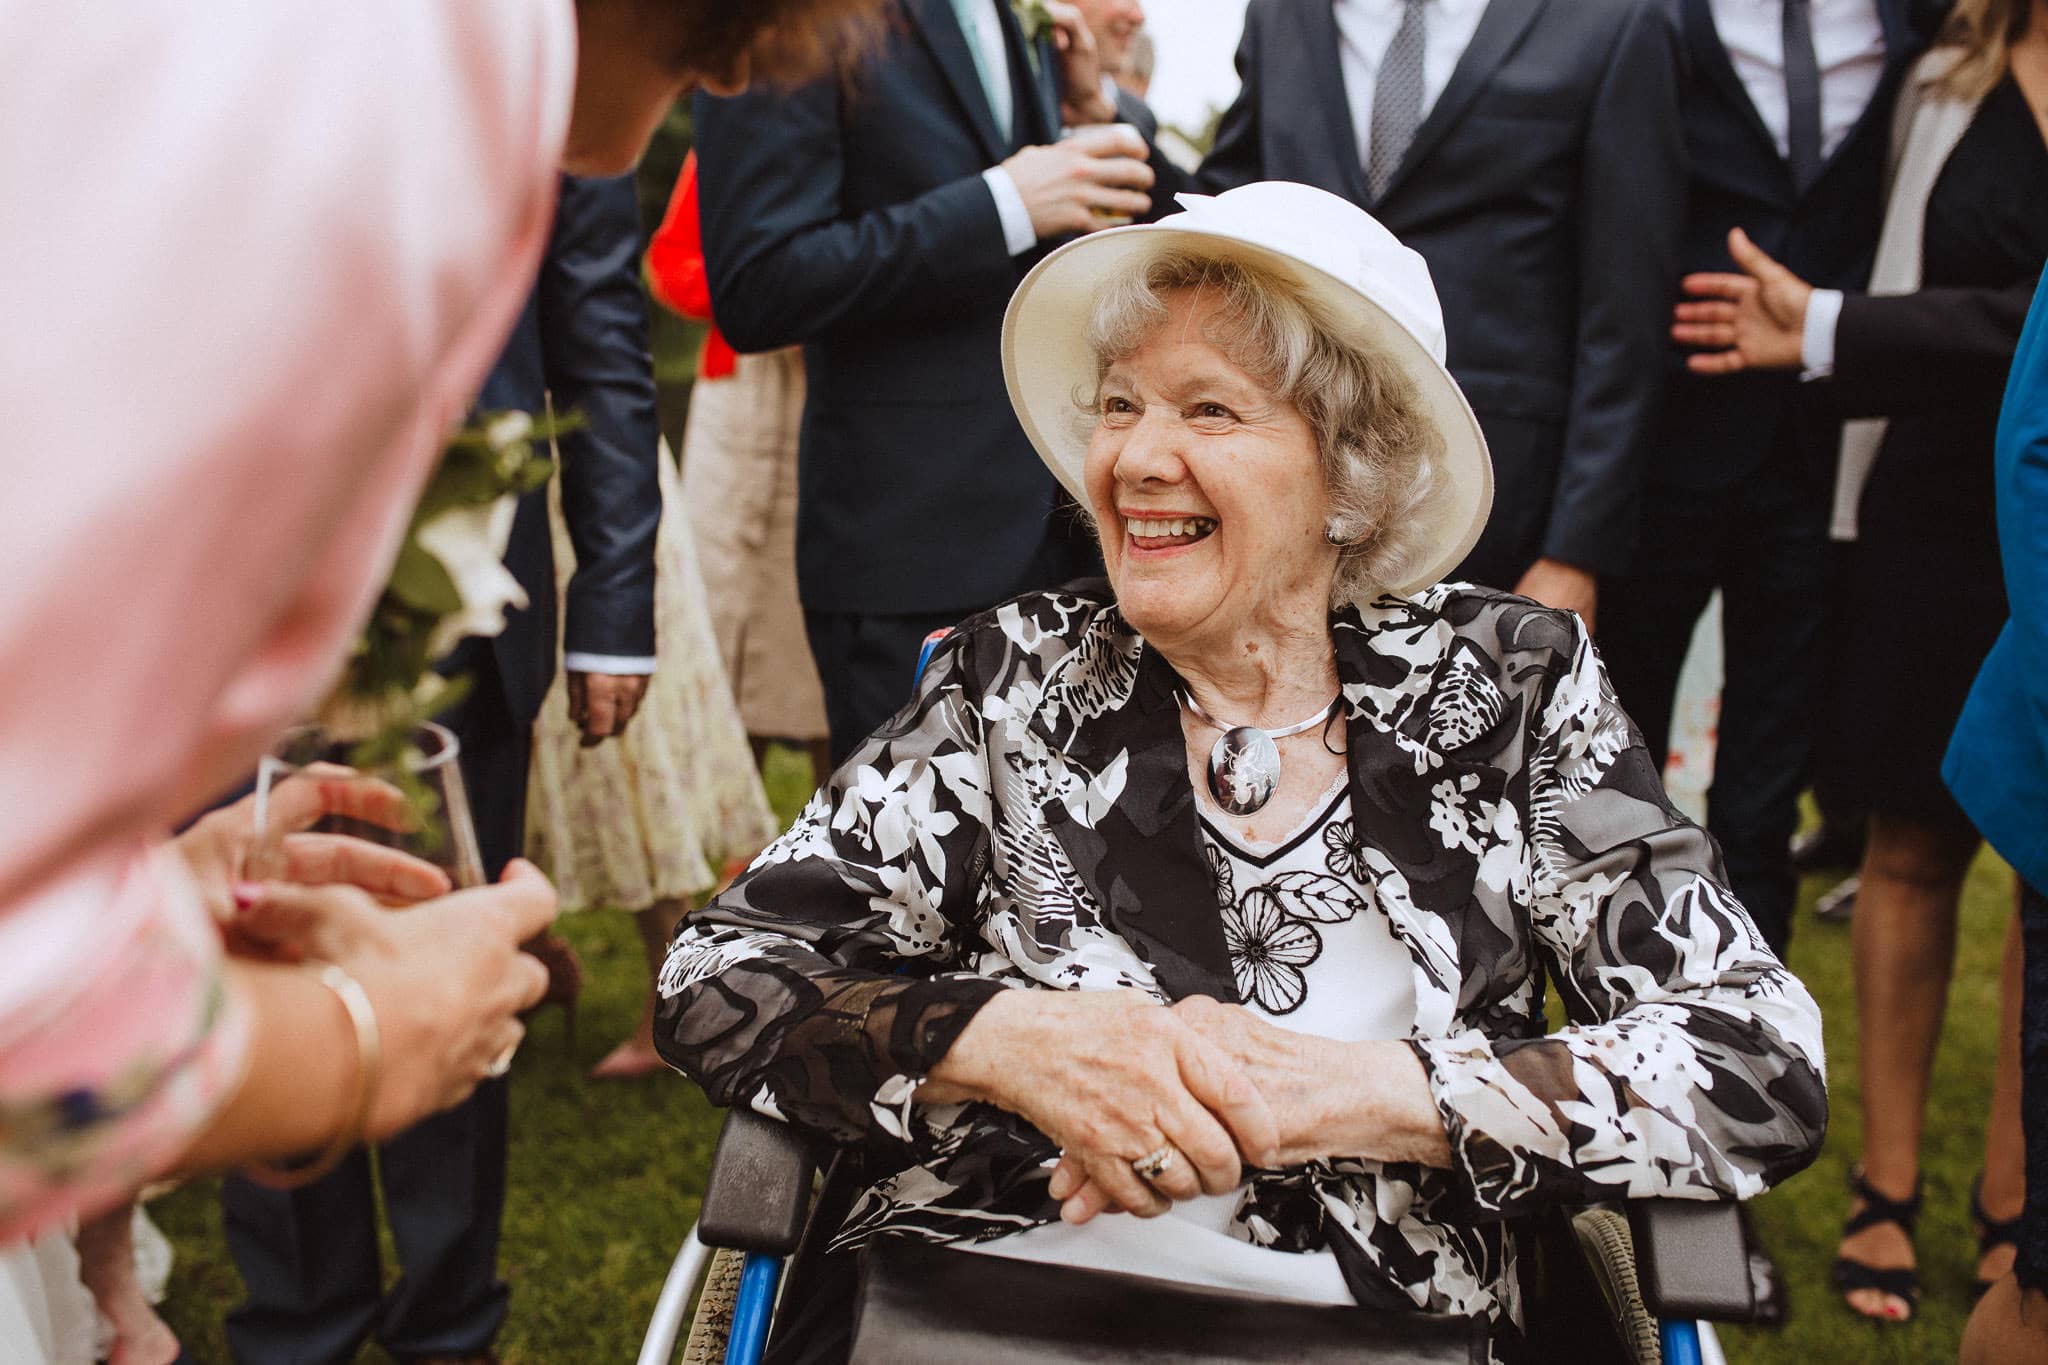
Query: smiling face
[1114,23]
[1207,492]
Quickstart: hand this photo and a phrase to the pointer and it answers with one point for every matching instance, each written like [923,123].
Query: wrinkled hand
[1094,179]
[601,704]
[1752,321]
[446,977]
[226,846]
[1081,99]
[1564,586]
[1328,1098]
[1110,1076]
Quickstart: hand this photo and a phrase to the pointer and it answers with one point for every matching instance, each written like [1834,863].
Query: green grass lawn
[605,1178]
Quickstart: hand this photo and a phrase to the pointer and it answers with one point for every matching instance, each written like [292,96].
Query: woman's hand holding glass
[445,977]
[251,841]
[1111,1076]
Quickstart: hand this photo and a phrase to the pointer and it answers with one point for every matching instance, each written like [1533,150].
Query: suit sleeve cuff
[1018,234]
[1817,343]
[618,665]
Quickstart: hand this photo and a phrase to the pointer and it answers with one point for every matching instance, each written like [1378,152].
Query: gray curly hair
[1379,452]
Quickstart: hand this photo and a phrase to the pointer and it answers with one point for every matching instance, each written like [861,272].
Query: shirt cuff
[1817,342]
[1018,234]
[618,665]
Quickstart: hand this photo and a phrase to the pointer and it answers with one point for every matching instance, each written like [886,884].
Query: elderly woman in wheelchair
[1197,927]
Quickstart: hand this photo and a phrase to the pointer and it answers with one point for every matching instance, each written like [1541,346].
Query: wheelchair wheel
[713,1321]
[1610,1253]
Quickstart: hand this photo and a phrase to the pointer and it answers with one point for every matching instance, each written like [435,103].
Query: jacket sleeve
[1631,208]
[820,988]
[1691,1065]
[1934,348]
[790,262]
[2023,504]
[1234,157]
[593,327]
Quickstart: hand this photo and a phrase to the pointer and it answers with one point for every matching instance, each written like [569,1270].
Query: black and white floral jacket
[1027,821]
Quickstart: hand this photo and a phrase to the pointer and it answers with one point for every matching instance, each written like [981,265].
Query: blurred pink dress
[254,259]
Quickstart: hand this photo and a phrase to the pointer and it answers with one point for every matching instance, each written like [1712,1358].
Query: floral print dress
[1027,822]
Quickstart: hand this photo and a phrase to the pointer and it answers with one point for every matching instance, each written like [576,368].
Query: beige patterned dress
[739,480]
[657,813]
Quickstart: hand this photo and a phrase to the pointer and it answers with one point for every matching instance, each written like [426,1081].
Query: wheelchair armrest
[1692,1260]
[759,1190]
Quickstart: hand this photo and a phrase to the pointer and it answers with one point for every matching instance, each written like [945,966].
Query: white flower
[469,542]
[508,429]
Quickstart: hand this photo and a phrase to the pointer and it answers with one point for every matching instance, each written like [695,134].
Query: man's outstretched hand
[1752,321]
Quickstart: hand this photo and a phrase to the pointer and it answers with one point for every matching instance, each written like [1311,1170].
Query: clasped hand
[1111,1076]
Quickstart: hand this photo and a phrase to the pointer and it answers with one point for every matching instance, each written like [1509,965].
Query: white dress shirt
[1365,27]
[984,33]
[1848,46]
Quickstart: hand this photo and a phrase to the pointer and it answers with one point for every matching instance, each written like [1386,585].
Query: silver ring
[1156,1163]
[502,1065]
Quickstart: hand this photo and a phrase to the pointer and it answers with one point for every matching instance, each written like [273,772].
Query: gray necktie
[1802,95]
[1396,100]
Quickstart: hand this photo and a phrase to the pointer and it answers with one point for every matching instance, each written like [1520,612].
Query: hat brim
[1049,369]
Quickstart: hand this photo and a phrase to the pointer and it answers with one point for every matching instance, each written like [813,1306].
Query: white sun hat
[1374,291]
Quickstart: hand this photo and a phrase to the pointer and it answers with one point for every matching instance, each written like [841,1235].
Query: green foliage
[607,1177]
[388,687]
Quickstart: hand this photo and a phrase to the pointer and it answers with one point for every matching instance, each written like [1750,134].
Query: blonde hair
[1377,450]
[1985,30]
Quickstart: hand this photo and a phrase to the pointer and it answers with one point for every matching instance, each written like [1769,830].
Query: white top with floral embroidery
[1313,952]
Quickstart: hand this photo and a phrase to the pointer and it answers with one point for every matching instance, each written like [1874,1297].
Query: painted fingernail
[247,894]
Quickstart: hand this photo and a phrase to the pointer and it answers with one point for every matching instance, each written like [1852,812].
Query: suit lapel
[1326,78]
[1142,857]
[1500,29]
[1900,48]
[1034,86]
[1711,57]
[936,24]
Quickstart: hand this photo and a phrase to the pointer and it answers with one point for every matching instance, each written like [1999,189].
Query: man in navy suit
[309,1256]
[882,220]
[1787,121]
[1529,150]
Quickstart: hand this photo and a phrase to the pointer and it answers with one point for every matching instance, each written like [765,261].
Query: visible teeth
[1151,528]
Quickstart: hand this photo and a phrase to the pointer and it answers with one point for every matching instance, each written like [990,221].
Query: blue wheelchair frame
[1687,1266]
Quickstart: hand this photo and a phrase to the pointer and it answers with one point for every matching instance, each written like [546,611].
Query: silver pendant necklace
[1244,767]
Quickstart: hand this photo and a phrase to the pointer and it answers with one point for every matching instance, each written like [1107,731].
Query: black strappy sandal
[1991,1233]
[1847,1275]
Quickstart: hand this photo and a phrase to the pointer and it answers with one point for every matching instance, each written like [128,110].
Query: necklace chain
[1187,699]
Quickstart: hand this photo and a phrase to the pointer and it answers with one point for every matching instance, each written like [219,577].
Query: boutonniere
[1036,19]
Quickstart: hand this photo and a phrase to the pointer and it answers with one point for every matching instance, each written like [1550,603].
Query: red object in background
[675,270]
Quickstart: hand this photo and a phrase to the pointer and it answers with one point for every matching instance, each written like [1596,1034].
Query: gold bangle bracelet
[369,1074]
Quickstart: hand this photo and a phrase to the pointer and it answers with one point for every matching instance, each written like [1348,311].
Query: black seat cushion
[921,1303]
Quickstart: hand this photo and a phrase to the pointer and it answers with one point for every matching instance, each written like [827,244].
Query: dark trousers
[2031,1268]
[867,661]
[867,665]
[1763,543]
[309,1256]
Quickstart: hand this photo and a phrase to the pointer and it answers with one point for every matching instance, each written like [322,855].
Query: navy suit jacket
[1714,432]
[583,339]
[1544,188]
[850,216]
